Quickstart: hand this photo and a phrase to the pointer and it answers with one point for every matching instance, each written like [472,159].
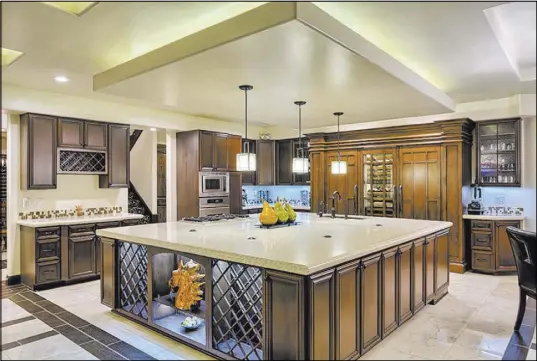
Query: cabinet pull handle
[48,271]
[361,266]
[482,259]
[399,252]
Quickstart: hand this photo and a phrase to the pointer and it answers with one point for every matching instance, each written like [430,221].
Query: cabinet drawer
[81,230]
[47,271]
[45,249]
[130,222]
[483,261]
[49,232]
[482,241]
[108,225]
[482,225]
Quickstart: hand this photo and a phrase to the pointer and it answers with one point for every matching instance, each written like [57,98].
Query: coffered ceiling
[373,61]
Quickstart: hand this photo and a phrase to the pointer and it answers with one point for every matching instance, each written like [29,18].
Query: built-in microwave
[214,184]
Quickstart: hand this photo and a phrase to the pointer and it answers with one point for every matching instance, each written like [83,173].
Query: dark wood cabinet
[348,318]
[405,279]
[108,272]
[429,247]
[218,151]
[118,158]
[371,302]
[498,153]
[60,254]
[265,168]
[81,256]
[78,133]
[491,250]
[418,269]
[249,178]
[95,135]
[321,329]
[389,291]
[38,151]
[70,133]
[286,150]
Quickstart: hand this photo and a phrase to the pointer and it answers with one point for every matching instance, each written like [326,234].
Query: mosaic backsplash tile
[62,213]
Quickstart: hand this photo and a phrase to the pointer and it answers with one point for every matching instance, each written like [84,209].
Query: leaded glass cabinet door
[378,190]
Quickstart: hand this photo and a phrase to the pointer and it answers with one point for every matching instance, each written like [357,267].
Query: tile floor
[474,321]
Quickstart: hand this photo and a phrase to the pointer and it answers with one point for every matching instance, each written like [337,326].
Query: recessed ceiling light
[9,56]
[61,79]
[77,8]
[152,129]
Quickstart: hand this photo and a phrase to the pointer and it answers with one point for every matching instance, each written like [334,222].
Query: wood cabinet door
[370,299]
[95,135]
[42,157]
[343,183]
[429,268]
[418,275]
[389,291]
[284,161]
[503,252]
[301,178]
[318,176]
[98,256]
[235,193]
[419,183]
[118,158]
[441,272]
[265,162]
[220,157]
[108,272]
[81,256]
[321,309]
[70,133]
[347,327]
[161,171]
[234,143]
[206,150]
[404,305]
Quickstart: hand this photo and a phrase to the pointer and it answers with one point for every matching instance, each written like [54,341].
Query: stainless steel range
[213,205]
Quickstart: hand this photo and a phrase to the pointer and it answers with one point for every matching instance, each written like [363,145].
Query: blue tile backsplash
[295,195]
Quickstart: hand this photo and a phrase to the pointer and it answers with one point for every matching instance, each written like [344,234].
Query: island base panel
[254,313]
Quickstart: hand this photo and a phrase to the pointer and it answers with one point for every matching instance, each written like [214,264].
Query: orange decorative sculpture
[187,279]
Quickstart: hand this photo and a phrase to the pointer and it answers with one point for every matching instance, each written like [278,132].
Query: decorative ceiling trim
[76,8]
[249,23]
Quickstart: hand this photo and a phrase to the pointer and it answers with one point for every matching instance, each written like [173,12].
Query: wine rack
[378,184]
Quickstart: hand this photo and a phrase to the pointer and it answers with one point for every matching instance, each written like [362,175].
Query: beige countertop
[493,218]
[301,249]
[49,222]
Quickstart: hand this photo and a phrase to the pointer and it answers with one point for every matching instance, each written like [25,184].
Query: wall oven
[213,184]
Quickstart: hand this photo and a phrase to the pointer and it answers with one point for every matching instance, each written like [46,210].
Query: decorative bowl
[191,323]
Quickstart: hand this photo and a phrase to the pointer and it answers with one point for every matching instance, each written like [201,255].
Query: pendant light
[338,166]
[301,164]
[246,161]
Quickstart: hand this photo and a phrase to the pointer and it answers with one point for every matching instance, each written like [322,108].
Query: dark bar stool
[524,246]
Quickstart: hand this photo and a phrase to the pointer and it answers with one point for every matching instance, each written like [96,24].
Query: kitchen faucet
[321,209]
[333,210]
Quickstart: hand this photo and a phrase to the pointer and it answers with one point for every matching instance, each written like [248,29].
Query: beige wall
[144,168]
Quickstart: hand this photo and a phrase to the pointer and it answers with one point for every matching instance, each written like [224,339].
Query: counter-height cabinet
[498,152]
[57,255]
[490,247]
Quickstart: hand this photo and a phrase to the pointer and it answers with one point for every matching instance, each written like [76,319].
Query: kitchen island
[325,288]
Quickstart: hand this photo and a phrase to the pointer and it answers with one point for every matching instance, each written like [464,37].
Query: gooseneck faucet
[321,209]
[333,210]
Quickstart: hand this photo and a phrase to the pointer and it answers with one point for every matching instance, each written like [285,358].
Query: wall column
[171,176]
[13,189]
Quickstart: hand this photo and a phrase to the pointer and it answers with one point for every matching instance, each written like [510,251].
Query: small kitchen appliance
[476,204]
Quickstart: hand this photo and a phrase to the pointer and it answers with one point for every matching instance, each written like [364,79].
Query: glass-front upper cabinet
[378,183]
[498,153]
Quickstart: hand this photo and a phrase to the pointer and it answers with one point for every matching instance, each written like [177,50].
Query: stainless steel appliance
[213,205]
[213,184]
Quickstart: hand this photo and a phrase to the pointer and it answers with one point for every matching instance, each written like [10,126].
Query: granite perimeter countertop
[60,221]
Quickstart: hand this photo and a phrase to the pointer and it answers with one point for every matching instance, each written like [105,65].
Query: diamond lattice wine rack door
[133,279]
[237,310]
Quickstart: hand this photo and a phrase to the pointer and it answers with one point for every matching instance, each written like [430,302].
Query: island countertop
[315,244]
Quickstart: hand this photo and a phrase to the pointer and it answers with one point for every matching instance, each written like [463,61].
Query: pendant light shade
[246,161]
[301,164]
[338,166]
